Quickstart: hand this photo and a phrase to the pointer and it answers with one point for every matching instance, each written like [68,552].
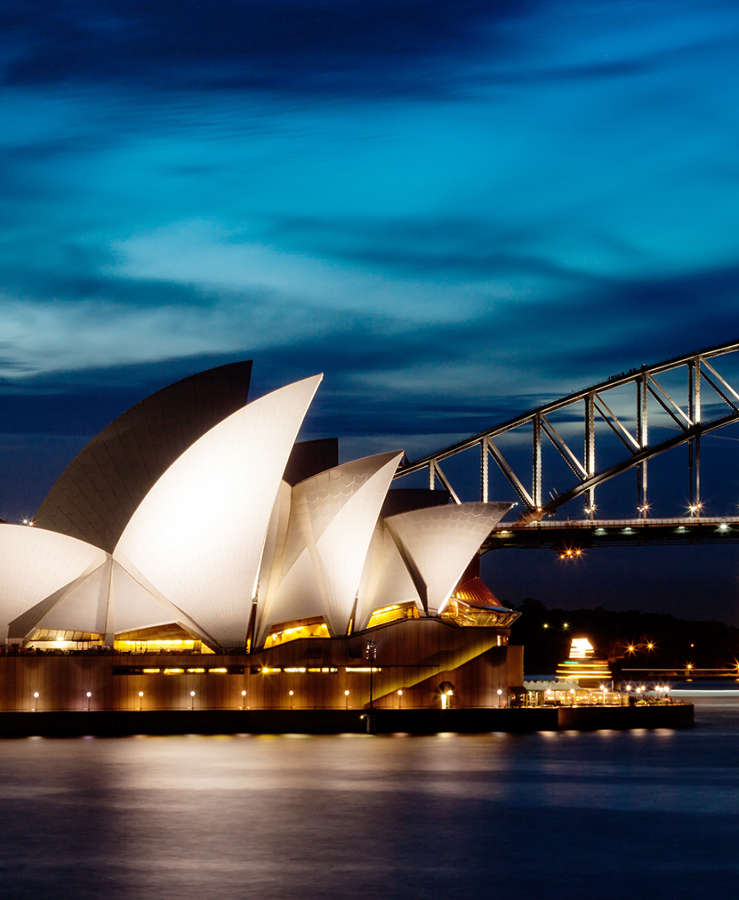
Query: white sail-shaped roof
[438,542]
[198,535]
[34,564]
[79,606]
[332,517]
[135,605]
[274,544]
[385,580]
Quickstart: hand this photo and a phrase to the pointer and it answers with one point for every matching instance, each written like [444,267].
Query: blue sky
[455,210]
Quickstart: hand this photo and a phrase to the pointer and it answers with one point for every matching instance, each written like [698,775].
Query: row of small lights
[290,693]
[693,508]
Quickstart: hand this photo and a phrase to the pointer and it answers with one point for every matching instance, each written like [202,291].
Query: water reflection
[542,815]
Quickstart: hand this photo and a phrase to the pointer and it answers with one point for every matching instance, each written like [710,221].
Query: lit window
[293,631]
[393,613]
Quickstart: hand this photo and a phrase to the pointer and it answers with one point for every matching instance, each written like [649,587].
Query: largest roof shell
[199,534]
[101,488]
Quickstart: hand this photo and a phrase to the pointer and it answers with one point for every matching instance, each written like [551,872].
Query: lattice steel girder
[642,456]
[563,402]
[637,444]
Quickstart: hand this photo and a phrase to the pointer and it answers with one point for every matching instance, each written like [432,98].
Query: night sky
[455,210]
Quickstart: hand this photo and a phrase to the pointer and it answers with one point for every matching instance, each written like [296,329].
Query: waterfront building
[194,554]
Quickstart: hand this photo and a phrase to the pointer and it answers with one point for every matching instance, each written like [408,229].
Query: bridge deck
[558,534]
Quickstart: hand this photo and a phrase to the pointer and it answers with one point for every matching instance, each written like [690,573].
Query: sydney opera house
[194,555]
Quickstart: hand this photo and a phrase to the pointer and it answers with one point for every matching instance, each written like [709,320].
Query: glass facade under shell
[293,631]
[393,613]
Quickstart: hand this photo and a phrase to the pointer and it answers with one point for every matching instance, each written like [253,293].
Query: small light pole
[192,699]
[35,701]
[291,694]
[88,694]
[499,692]
[243,699]
[141,698]
[370,654]
[346,698]
[400,698]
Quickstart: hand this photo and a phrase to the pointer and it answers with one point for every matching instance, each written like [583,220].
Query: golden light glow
[159,645]
[366,669]
[296,669]
[173,671]
[151,671]
[219,670]
[393,613]
[194,671]
[581,664]
[293,631]
[581,648]
[571,553]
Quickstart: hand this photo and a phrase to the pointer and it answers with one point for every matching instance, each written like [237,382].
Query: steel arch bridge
[710,403]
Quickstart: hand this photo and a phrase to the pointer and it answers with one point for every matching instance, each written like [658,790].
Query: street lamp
[243,701]
[141,697]
[346,699]
[35,700]
[291,694]
[499,692]
[400,698]
[88,694]
[370,654]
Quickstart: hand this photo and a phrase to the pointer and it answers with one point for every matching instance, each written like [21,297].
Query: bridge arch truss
[712,403]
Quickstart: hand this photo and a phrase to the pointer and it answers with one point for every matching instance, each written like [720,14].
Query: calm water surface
[608,815]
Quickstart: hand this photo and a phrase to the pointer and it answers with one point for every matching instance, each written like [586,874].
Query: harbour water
[546,815]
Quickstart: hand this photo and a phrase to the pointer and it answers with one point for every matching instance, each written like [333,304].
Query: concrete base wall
[412,721]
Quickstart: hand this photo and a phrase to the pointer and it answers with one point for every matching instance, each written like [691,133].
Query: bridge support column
[484,470]
[590,449]
[536,464]
[694,445]
[643,441]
